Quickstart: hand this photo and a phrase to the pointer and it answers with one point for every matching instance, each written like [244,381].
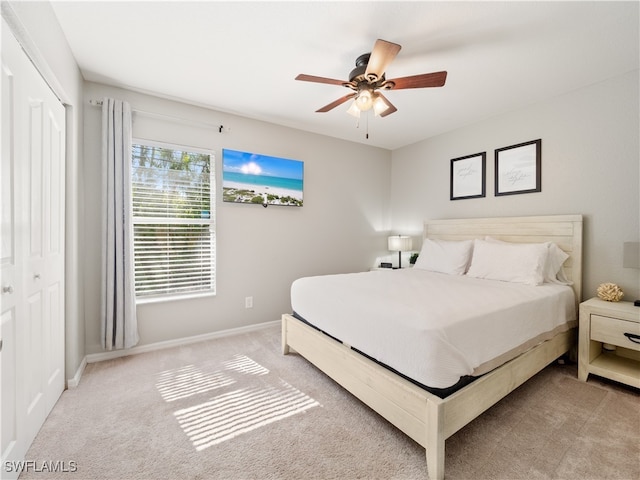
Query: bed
[425,415]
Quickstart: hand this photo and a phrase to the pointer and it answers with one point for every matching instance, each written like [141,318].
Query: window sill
[171,298]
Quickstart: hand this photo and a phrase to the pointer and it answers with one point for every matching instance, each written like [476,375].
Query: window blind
[173,225]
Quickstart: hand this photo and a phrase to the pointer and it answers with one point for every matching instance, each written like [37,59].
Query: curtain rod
[220,128]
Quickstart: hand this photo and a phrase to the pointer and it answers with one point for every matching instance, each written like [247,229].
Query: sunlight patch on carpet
[189,380]
[243,364]
[240,411]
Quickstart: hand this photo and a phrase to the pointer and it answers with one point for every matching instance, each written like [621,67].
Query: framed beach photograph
[261,179]
[468,175]
[517,168]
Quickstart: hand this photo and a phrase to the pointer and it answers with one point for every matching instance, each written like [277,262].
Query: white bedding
[432,327]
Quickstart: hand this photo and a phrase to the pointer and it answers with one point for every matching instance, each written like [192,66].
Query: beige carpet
[235,408]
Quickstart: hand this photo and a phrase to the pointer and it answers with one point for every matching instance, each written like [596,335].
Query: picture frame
[468,176]
[518,168]
[259,179]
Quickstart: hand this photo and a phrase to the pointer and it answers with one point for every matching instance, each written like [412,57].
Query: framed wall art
[517,168]
[468,175]
[261,179]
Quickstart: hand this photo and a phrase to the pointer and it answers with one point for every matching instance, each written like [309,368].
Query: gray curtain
[118,302]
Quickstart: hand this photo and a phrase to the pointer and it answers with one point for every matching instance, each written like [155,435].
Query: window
[173,221]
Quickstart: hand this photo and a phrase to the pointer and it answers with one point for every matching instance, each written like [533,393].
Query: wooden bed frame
[426,418]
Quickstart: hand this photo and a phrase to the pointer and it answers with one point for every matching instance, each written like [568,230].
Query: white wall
[590,166]
[37,28]
[342,226]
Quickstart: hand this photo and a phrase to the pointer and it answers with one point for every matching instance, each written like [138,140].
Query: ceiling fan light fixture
[379,105]
[364,100]
[354,111]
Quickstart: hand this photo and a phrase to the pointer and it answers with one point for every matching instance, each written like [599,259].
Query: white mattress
[432,327]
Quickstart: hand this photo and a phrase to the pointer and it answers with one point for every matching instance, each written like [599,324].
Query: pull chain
[367,121]
[366,124]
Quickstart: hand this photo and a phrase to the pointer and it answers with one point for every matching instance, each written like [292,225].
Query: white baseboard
[99,357]
[73,382]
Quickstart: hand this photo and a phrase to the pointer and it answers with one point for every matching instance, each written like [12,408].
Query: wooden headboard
[564,230]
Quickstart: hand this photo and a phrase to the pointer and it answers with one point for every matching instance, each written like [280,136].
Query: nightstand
[613,324]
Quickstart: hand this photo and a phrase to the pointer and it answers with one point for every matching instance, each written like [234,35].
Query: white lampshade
[379,105]
[364,100]
[400,243]
[354,111]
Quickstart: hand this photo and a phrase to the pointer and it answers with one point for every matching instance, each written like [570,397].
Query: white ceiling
[242,57]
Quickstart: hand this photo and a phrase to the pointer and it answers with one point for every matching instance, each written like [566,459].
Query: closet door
[10,251]
[32,253]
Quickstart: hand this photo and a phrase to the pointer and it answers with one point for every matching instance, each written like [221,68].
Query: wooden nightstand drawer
[607,322]
[616,332]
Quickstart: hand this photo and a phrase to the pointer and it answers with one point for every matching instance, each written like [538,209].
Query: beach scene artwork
[261,179]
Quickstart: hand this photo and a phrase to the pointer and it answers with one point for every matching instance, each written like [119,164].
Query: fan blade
[382,55]
[390,107]
[312,78]
[424,80]
[334,104]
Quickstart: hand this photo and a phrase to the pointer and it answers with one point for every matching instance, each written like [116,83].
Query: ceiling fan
[368,79]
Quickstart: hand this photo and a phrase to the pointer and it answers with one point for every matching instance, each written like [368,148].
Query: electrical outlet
[248,302]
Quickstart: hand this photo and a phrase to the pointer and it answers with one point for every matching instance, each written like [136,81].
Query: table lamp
[400,243]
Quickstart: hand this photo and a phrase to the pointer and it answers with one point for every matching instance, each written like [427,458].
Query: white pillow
[445,256]
[509,262]
[553,271]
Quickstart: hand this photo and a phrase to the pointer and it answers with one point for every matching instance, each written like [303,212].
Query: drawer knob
[633,337]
